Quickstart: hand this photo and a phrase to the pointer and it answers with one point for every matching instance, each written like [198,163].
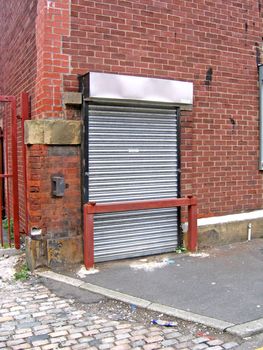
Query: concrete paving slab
[247,329]
[126,298]
[190,316]
[94,288]
[69,291]
[60,278]
[129,299]
[226,284]
[221,288]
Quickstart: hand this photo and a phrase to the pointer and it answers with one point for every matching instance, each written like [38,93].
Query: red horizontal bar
[5,175]
[93,208]
[6,98]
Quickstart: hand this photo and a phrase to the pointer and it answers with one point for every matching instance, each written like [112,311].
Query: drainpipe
[260,70]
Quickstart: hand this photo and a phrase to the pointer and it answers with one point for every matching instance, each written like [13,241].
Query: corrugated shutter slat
[133,156]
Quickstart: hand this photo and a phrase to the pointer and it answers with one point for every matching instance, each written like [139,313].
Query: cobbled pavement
[32,317]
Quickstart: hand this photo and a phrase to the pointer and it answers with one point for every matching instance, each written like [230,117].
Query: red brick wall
[177,40]
[33,62]
[58,217]
[52,25]
[17,69]
[17,45]
[182,40]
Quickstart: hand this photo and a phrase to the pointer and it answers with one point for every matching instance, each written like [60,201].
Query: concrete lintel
[53,132]
[72,98]
[34,132]
[62,132]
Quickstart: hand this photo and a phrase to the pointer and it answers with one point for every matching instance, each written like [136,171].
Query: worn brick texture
[182,40]
[210,43]
[18,73]
[33,62]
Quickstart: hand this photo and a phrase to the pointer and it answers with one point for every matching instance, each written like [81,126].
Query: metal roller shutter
[133,155]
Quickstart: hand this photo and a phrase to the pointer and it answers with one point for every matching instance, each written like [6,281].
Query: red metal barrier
[25,113]
[1,186]
[92,208]
[12,120]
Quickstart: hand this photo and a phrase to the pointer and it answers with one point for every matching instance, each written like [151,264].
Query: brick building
[47,49]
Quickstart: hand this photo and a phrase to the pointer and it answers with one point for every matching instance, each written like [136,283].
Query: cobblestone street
[32,317]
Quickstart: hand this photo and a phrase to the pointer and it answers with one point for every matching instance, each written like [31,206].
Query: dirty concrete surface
[41,315]
[224,283]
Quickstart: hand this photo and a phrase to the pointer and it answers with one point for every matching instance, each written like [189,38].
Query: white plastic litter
[151,265]
[199,255]
[84,272]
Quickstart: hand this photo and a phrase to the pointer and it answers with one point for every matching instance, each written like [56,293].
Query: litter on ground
[199,255]
[151,265]
[164,323]
[84,272]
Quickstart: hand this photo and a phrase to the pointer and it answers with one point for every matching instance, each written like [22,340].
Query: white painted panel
[127,87]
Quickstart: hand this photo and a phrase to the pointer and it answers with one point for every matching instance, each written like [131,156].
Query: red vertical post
[15,175]
[1,188]
[1,211]
[6,182]
[88,239]
[24,117]
[192,224]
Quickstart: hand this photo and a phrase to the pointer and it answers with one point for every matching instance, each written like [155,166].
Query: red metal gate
[11,169]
